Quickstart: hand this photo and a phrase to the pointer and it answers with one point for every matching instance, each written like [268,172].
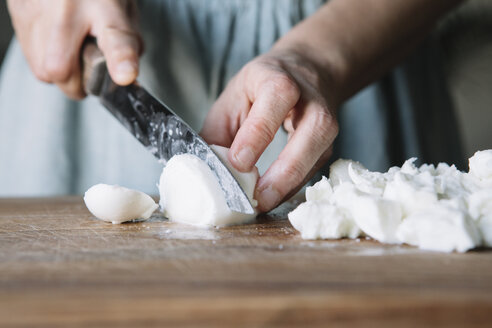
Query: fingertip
[72,90]
[77,96]
[267,198]
[126,71]
[242,158]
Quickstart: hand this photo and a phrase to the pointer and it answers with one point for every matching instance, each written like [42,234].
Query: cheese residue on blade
[435,208]
[190,192]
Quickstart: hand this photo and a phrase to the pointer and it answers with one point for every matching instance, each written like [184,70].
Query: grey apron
[50,145]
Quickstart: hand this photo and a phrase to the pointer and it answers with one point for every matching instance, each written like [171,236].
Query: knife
[154,124]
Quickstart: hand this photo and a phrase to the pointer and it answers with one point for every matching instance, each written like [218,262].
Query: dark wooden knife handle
[94,68]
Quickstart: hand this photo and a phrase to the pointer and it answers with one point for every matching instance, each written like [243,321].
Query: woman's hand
[51,33]
[280,87]
[311,70]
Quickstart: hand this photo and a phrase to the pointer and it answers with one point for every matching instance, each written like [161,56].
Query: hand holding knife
[154,124]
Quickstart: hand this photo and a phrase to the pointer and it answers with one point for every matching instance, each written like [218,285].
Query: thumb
[121,48]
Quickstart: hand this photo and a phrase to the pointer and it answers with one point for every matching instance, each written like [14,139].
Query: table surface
[60,267]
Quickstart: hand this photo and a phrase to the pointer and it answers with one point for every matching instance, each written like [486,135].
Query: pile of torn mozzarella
[435,208]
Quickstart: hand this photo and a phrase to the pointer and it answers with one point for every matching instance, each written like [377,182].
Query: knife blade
[154,124]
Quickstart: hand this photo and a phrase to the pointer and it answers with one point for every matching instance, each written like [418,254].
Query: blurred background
[5,29]
[466,38]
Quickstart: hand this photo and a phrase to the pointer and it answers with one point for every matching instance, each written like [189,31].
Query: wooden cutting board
[59,267]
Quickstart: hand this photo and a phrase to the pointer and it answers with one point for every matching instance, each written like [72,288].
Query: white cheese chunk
[481,164]
[190,192]
[377,217]
[117,204]
[439,228]
[320,220]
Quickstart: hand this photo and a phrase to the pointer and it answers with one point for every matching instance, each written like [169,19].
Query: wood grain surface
[60,267]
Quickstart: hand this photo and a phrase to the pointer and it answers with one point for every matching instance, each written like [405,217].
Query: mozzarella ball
[191,193]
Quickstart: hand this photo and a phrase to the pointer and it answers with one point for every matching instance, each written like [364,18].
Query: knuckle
[261,128]
[106,36]
[294,172]
[325,127]
[122,51]
[58,60]
[57,70]
[119,45]
[117,32]
[65,11]
[41,74]
[283,85]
